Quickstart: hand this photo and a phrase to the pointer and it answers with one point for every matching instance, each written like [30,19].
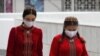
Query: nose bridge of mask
[74,31]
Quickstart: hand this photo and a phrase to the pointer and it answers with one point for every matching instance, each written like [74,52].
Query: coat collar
[26,29]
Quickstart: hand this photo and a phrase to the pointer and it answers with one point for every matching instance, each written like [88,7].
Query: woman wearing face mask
[26,39]
[69,43]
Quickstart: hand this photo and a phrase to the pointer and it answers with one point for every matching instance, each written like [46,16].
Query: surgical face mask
[71,34]
[28,23]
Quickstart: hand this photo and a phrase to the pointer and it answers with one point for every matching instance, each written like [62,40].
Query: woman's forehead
[71,23]
[30,16]
[71,27]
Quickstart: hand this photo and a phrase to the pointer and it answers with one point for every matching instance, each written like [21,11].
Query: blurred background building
[50,5]
[51,14]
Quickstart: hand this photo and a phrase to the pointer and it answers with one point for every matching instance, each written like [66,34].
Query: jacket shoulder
[58,37]
[13,28]
[37,29]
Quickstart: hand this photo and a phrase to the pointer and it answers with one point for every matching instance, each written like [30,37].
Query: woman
[26,39]
[69,43]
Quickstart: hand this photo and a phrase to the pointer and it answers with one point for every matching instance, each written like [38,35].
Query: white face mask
[71,34]
[28,23]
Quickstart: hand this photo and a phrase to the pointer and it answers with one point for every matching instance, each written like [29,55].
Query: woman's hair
[68,22]
[29,10]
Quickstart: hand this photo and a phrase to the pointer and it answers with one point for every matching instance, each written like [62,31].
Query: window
[6,6]
[9,6]
[38,4]
[81,5]
[1,5]
[68,5]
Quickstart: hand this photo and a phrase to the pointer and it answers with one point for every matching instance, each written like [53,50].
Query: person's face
[71,28]
[30,17]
